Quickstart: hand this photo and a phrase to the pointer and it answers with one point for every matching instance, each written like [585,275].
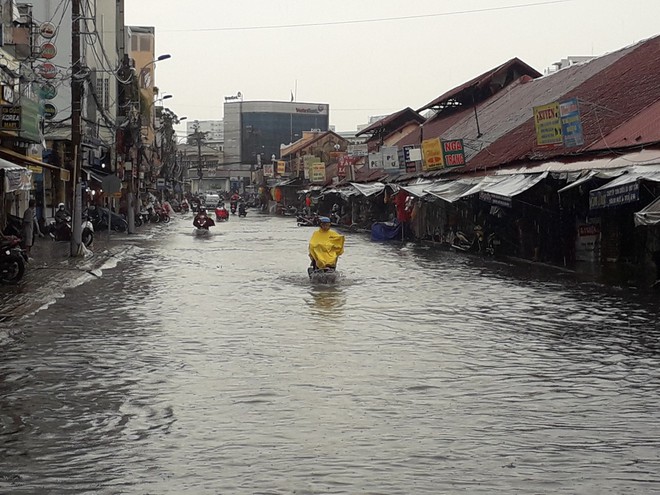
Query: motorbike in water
[13,260]
[325,247]
[327,275]
[221,214]
[232,207]
[242,209]
[202,224]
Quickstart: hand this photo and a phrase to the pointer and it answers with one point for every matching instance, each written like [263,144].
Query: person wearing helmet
[61,214]
[325,246]
[202,220]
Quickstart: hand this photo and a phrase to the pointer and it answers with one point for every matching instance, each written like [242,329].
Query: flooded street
[212,366]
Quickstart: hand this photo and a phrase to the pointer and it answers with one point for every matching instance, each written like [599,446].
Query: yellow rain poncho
[325,247]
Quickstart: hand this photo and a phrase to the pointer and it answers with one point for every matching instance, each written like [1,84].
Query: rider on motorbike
[61,218]
[325,246]
[202,220]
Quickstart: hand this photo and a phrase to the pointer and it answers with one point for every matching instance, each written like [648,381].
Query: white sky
[376,67]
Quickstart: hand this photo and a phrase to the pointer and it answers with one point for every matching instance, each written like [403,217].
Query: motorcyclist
[221,212]
[61,218]
[325,246]
[233,201]
[202,220]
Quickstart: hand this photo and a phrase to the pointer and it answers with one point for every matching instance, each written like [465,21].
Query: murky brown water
[211,366]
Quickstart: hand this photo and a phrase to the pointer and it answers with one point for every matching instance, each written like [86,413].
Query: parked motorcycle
[462,243]
[99,218]
[13,260]
[493,244]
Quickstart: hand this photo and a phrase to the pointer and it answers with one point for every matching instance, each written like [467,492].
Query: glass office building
[254,130]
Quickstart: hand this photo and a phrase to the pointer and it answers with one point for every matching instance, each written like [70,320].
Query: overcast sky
[368,57]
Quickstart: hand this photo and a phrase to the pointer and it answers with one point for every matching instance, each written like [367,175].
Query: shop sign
[432,152]
[47,30]
[453,153]
[18,180]
[281,167]
[390,157]
[50,111]
[30,120]
[587,242]
[48,51]
[358,149]
[268,170]
[495,199]
[48,71]
[308,161]
[547,124]
[48,91]
[8,95]
[571,125]
[614,196]
[318,172]
[11,118]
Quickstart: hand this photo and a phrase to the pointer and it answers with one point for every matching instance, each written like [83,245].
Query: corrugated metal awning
[453,190]
[649,215]
[369,189]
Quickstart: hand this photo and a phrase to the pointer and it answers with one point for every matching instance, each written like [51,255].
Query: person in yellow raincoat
[325,246]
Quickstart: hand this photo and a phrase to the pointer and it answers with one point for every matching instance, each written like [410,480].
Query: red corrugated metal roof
[612,90]
[393,121]
[494,79]
[643,128]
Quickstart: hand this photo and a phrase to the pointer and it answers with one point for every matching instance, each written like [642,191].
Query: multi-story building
[214,131]
[256,130]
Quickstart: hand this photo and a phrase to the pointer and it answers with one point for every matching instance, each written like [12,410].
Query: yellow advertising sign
[432,152]
[308,160]
[547,123]
[318,172]
[281,167]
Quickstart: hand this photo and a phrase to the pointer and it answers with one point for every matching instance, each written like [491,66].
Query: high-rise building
[254,131]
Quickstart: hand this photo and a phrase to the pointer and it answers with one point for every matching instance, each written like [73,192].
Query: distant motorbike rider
[221,212]
[202,220]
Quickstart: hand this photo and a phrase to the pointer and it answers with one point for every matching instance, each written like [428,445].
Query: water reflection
[327,298]
[217,367]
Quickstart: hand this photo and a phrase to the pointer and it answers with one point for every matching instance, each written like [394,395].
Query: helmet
[324,220]
[60,206]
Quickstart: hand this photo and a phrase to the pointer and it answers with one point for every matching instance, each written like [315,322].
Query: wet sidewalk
[52,270]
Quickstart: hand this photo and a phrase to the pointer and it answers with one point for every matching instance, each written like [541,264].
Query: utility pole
[76,107]
[198,136]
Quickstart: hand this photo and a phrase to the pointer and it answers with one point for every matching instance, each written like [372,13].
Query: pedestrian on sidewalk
[30,226]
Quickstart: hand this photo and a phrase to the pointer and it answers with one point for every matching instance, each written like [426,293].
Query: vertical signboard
[432,152]
[547,124]
[375,160]
[268,170]
[308,160]
[318,172]
[390,157]
[453,153]
[571,126]
[281,167]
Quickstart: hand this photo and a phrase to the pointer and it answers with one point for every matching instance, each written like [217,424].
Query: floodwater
[212,366]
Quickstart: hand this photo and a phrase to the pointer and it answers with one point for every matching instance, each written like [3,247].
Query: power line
[366,21]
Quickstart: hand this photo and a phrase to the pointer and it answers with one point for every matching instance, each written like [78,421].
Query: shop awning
[501,193]
[93,174]
[649,215]
[16,178]
[451,191]
[12,156]
[624,189]
[369,189]
[419,189]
